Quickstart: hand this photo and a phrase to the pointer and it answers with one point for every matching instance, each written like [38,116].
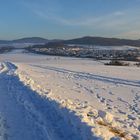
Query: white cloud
[125,21]
[51,13]
[70,22]
[119,20]
[105,20]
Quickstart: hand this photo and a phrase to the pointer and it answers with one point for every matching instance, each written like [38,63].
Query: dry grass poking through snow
[117,132]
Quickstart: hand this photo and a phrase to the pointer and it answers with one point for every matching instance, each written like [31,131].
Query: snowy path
[26,115]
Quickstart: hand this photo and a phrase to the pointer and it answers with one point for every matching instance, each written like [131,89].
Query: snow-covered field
[61,98]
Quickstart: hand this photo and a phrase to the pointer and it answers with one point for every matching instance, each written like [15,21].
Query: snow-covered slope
[68,98]
[27,115]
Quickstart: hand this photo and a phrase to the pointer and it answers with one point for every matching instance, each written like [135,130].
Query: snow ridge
[102,123]
[50,122]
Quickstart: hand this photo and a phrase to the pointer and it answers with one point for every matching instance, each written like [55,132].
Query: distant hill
[102,41]
[88,40]
[4,42]
[25,40]
[31,40]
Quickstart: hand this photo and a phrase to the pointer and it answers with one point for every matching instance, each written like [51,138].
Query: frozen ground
[47,97]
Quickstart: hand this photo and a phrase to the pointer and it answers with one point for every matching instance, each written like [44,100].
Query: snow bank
[102,123]
[66,107]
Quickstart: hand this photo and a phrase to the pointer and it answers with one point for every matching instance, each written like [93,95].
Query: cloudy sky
[66,19]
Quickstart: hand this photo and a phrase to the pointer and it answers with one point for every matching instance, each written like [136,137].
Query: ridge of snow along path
[101,121]
[24,115]
[43,98]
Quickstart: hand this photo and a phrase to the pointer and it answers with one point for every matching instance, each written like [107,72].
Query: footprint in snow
[111,93]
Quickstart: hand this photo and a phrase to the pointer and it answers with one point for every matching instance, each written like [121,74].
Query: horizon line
[24,37]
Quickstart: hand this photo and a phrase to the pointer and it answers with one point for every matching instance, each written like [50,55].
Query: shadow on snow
[51,121]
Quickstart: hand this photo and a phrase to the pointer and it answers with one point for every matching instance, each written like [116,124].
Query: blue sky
[66,19]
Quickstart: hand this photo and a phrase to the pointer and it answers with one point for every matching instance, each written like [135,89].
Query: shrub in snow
[117,63]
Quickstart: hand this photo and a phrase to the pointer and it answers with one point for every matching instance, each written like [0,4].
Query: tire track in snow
[92,76]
